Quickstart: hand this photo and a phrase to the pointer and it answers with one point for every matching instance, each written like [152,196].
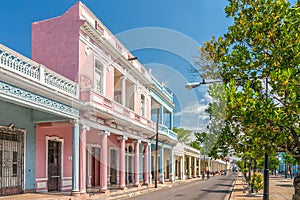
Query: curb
[228,195]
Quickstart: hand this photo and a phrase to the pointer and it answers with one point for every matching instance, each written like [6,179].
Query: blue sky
[180,27]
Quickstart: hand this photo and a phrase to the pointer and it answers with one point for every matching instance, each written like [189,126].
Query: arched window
[130,149]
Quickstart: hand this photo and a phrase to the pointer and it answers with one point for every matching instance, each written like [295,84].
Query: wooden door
[54,165]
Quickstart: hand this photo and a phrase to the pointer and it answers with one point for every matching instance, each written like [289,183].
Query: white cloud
[192,109]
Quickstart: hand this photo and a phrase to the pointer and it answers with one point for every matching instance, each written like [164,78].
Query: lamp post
[190,86]
[266,161]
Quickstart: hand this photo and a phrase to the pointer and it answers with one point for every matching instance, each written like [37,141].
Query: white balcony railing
[26,68]
[166,131]
[162,89]
[115,109]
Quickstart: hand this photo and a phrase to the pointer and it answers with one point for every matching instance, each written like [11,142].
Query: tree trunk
[296,196]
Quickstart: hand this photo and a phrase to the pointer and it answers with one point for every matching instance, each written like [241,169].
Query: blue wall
[21,118]
[24,118]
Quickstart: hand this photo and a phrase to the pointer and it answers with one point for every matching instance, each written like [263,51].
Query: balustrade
[117,109]
[14,62]
[167,131]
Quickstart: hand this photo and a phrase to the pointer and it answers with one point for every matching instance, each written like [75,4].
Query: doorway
[95,166]
[129,164]
[11,160]
[54,165]
[113,166]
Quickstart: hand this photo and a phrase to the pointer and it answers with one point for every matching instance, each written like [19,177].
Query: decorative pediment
[10,129]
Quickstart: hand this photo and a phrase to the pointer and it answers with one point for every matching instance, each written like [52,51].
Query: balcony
[166,134]
[162,89]
[111,109]
[34,72]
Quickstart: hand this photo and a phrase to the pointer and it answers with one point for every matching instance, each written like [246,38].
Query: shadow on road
[225,185]
[217,191]
[282,185]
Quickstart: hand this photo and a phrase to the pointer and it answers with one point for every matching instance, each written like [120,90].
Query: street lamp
[190,86]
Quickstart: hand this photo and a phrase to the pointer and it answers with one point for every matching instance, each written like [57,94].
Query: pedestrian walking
[207,174]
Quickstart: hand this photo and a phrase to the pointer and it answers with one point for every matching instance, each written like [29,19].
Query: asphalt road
[216,188]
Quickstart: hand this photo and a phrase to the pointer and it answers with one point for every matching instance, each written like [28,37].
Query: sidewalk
[280,189]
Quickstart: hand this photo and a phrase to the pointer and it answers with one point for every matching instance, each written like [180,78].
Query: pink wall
[112,141]
[86,67]
[62,131]
[110,72]
[92,137]
[55,42]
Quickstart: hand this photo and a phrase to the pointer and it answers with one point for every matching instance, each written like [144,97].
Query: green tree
[258,61]
[273,162]
[204,141]
[257,182]
[183,135]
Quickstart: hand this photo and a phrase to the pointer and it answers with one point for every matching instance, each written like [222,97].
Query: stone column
[182,168]
[82,159]
[195,167]
[136,162]
[122,155]
[171,175]
[145,164]
[123,92]
[162,176]
[190,167]
[103,161]
[75,159]
[199,167]
[150,162]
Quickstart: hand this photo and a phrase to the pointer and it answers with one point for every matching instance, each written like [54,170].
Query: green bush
[257,182]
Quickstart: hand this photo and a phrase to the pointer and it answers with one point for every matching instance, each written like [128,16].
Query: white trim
[66,178]
[55,138]
[116,131]
[41,179]
[93,145]
[103,74]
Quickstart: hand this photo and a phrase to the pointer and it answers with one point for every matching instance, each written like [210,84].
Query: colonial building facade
[83,116]
[38,107]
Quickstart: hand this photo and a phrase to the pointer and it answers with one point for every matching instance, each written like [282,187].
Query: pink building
[81,116]
[115,127]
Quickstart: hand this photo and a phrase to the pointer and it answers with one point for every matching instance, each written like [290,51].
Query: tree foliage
[258,60]
[183,135]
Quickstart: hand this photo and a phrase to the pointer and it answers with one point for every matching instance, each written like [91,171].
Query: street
[213,189]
